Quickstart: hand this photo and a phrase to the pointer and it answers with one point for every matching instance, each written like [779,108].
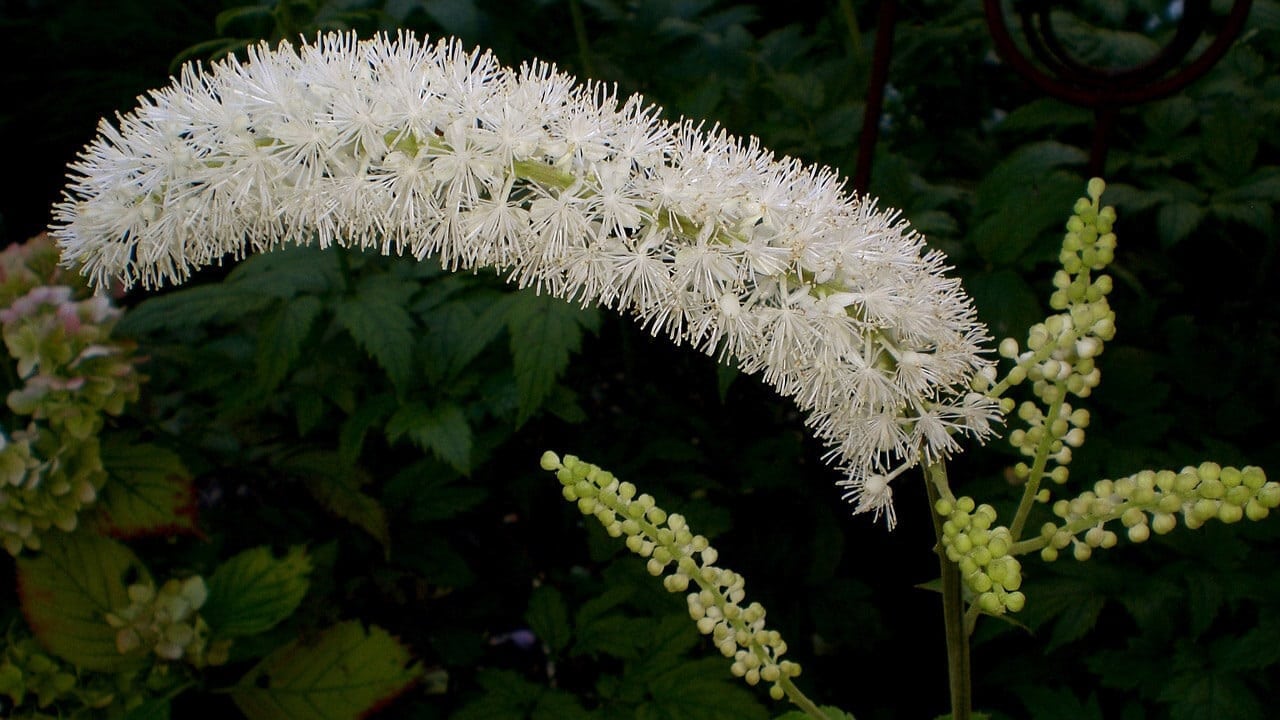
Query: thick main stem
[957,633]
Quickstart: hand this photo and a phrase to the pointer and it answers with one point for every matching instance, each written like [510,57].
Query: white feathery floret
[434,150]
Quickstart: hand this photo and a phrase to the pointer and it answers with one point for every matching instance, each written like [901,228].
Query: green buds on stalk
[981,551]
[1153,501]
[686,563]
[1059,354]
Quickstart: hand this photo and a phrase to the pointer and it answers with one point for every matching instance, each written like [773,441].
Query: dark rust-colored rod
[875,95]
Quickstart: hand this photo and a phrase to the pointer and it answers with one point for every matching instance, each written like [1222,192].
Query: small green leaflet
[148,492]
[545,331]
[548,618]
[700,689]
[509,696]
[372,413]
[377,320]
[427,491]
[1045,703]
[253,591]
[337,486]
[66,592]
[280,341]
[442,429]
[192,306]
[343,674]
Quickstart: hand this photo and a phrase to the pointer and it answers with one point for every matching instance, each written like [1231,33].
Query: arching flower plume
[434,150]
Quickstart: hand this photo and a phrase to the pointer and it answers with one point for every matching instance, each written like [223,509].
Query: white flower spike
[434,150]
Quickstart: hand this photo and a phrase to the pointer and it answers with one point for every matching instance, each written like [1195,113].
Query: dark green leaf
[457,17]
[192,306]
[703,689]
[367,416]
[1177,220]
[287,272]
[1038,115]
[1044,703]
[506,695]
[1005,302]
[254,591]
[1023,171]
[1169,117]
[227,17]
[281,337]
[544,332]
[1209,695]
[336,486]
[549,619]
[458,331]
[382,329]
[443,429]
[431,491]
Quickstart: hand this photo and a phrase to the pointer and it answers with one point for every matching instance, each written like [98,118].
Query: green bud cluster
[1059,357]
[71,375]
[42,687]
[1152,501]
[29,676]
[167,623]
[683,560]
[1057,438]
[981,552]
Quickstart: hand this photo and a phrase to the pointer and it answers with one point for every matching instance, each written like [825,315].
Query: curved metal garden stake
[1106,90]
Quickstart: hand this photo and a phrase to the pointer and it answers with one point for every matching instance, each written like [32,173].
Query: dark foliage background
[482,547]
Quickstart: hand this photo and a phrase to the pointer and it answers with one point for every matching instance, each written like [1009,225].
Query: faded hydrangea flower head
[434,150]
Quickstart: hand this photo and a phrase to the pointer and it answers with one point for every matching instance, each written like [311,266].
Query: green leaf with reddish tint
[148,492]
[343,674]
[66,592]
[337,486]
[253,591]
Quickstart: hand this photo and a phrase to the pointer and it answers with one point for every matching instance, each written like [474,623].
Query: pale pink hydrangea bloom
[434,150]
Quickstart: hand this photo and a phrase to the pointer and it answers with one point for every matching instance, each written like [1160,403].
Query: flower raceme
[434,150]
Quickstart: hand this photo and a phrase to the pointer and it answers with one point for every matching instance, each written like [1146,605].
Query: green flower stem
[580,33]
[851,22]
[953,610]
[799,699]
[598,493]
[793,693]
[1032,488]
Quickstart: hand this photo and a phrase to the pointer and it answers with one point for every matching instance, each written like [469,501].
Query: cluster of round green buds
[1152,501]
[981,551]
[167,623]
[1059,357]
[29,676]
[45,481]
[684,561]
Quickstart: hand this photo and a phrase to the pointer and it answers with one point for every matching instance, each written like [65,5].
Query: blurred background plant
[389,416]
